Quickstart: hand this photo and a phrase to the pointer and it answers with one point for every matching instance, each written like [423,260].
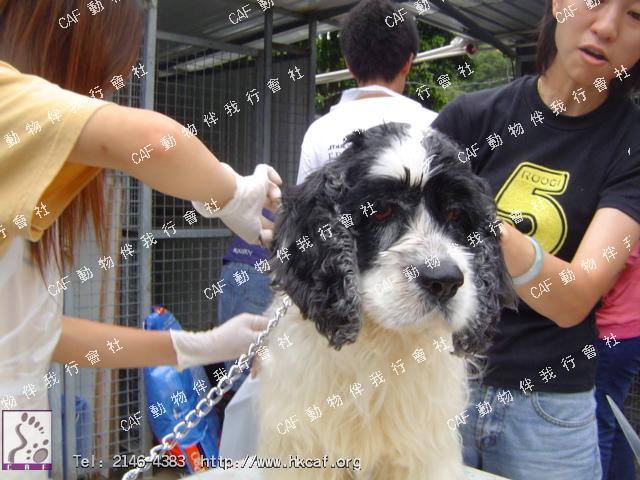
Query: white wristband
[535,267]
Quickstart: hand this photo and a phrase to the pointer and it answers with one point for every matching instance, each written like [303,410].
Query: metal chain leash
[204,406]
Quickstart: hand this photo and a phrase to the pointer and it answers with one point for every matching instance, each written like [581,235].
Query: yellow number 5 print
[530,190]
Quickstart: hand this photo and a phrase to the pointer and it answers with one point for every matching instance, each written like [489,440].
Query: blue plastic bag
[171,394]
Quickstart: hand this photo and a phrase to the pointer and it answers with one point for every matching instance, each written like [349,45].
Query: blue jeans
[253,296]
[617,366]
[553,436]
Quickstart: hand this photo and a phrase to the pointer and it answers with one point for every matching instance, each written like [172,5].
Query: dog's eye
[453,215]
[384,214]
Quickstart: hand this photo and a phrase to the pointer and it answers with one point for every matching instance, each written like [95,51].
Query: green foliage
[490,68]
[427,73]
[330,59]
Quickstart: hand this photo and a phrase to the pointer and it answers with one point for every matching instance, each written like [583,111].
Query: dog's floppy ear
[321,280]
[493,283]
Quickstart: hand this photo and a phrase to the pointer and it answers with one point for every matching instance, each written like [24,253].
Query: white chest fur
[384,400]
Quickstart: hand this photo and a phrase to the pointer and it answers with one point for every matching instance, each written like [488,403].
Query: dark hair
[373,49]
[547,52]
[78,58]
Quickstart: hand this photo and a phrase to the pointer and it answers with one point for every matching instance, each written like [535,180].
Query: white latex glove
[243,214]
[226,342]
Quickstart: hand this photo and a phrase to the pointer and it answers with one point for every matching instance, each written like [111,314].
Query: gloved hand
[225,342]
[243,214]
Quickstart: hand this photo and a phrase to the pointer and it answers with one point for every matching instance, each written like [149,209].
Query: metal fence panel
[189,81]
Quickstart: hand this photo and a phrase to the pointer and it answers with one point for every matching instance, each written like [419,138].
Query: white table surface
[254,474]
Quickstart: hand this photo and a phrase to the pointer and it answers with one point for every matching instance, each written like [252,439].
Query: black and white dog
[373,248]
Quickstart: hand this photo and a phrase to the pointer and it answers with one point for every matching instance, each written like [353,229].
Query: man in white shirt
[379,57]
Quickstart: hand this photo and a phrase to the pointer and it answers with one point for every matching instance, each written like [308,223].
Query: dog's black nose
[443,280]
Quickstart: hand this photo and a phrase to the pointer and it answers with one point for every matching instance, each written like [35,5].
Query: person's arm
[131,140]
[147,348]
[187,170]
[568,305]
[140,348]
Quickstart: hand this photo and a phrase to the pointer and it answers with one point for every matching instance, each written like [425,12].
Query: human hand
[243,213]
[225,342]
[517,251]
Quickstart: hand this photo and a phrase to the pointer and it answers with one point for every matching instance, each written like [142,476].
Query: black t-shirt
[549,176]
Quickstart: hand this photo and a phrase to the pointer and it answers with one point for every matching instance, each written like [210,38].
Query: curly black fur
[309,277]
[490,272]
[323,281]
[492,281]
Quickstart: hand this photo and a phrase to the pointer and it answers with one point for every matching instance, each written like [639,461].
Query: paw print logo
[26,436]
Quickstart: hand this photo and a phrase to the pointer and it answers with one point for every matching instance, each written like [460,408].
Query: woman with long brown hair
[560,152]
[55,143]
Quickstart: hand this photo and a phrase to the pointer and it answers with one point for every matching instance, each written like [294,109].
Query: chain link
[204,406]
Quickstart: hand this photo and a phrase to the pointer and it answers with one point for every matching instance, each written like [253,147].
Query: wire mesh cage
[218,96]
